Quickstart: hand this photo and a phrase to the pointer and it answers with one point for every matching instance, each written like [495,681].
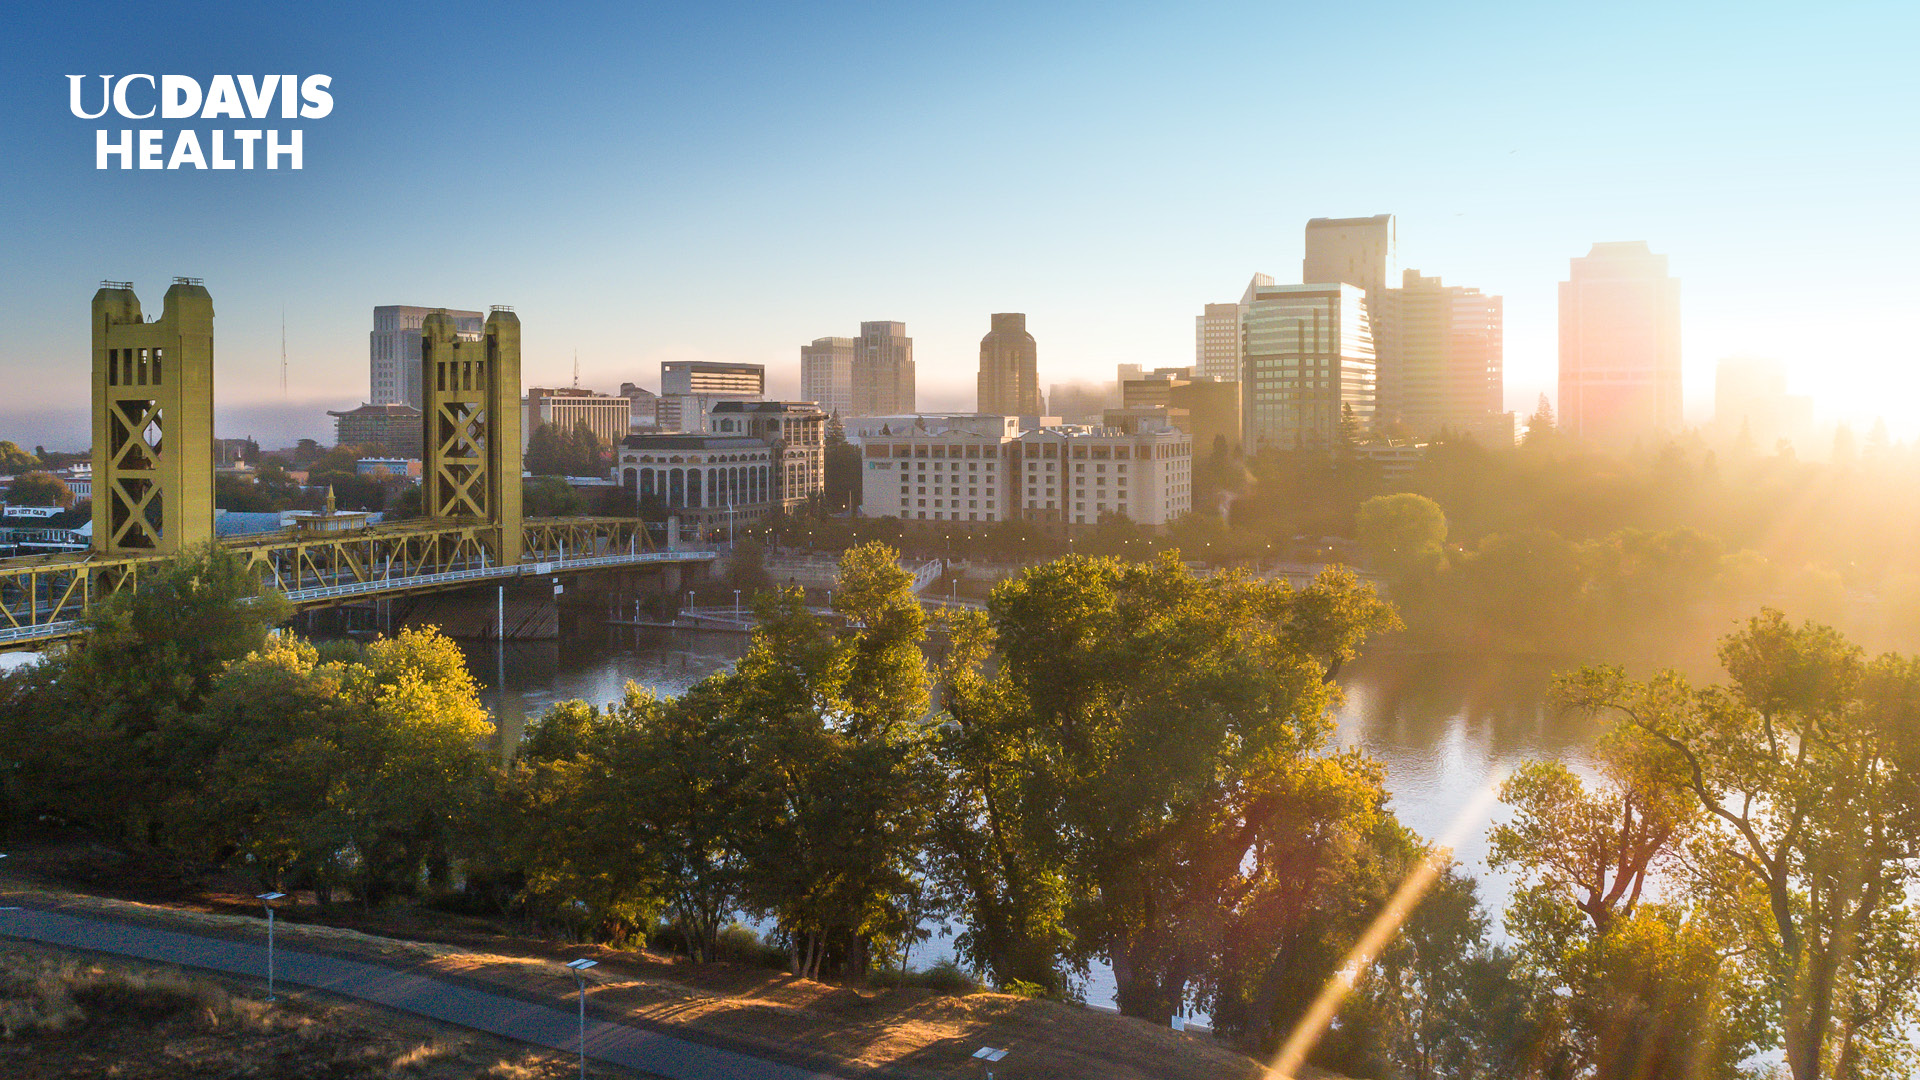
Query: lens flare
[1293,1054]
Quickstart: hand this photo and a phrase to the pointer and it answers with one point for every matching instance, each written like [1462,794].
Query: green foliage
[1129,776]
[371,774]
[1402,533]
[114,711]
[15,461]
[39,489]
[747,568]
[556,451]
[1801,773]
[550,496]
[829,724]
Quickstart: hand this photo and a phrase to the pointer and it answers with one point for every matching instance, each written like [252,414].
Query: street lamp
[266,899]
[578,966]
[988,1054]
[736,604]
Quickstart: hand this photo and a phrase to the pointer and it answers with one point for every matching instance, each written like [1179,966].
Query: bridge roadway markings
[439,999]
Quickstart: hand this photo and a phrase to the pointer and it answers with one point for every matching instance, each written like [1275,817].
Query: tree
[843,464]
[39,489]
[1804,768]
[1643,987]
[15,461]
[370,772]
[554,450]
[747,568]
[1540,426]
[105,729]
[1401,533]
[550,496]
[1149,734]
[830,722]
[1439,1002]
[574,838]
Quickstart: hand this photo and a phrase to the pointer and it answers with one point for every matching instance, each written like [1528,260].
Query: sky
[729,181]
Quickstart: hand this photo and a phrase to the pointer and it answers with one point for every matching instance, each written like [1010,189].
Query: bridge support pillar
[152,421]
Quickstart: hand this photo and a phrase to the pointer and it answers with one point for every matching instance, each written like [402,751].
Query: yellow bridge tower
[152,420]
[471,412]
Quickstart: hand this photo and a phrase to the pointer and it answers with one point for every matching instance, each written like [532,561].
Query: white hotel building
[981,469]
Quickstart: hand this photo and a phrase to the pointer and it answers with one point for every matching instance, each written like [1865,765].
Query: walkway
[451,1002]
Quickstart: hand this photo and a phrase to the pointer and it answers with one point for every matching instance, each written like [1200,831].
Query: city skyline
[629,203]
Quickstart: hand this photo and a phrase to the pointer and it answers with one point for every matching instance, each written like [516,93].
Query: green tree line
[1116,761]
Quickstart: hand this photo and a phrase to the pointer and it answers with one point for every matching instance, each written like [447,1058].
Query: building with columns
[710,482]
[759,457]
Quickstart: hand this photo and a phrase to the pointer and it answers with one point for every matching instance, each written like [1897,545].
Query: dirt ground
[67,1016]
[909,1032]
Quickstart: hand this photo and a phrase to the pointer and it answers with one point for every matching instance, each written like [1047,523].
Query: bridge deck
[43,598]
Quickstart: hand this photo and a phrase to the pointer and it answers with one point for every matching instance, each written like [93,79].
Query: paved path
[452,1002]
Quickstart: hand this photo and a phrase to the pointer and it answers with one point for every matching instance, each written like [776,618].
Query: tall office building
[1356,251]
[1309,359]
[1619,345]
[394,350]
[1009,382]
[883,370]
[1216,336]
[1440,359]
[826,374]
[690,388]
[1216,342]
[871,375]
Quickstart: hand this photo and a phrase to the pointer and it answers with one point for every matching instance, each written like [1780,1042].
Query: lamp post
[578,966]
[266,899]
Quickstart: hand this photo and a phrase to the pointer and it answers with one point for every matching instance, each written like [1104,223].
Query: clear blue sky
[731,181]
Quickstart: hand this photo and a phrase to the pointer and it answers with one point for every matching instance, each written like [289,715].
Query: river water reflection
[1446,728]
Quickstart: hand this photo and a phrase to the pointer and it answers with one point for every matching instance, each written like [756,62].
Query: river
[1447,728]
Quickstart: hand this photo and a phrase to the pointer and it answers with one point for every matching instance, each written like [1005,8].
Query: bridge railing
[49,597]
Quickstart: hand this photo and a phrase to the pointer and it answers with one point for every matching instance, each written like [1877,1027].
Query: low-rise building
[1071,476]
[376,466]
[797,433]
[609,418]
[710,482]
[982,469]
[941,467]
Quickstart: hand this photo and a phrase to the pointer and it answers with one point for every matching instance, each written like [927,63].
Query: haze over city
[648,184]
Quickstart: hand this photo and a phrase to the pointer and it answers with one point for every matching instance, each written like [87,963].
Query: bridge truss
[49,597]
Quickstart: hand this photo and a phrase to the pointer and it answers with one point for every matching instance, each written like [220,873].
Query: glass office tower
[1308,358]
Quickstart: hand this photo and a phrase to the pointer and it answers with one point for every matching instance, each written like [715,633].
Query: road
[450,1002]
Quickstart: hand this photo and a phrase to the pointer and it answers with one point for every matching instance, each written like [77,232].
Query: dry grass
[911,1032]
[63,1017]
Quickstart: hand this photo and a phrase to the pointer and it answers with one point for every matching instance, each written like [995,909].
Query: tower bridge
[153,482]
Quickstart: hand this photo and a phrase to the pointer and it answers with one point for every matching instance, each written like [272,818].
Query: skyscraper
[1216,342]
[826,374]
[1216,336]
[1009,382]
[1440,359]
[1619,345]
[394,350]
[1357,251]
[883,370]
[1309,360]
